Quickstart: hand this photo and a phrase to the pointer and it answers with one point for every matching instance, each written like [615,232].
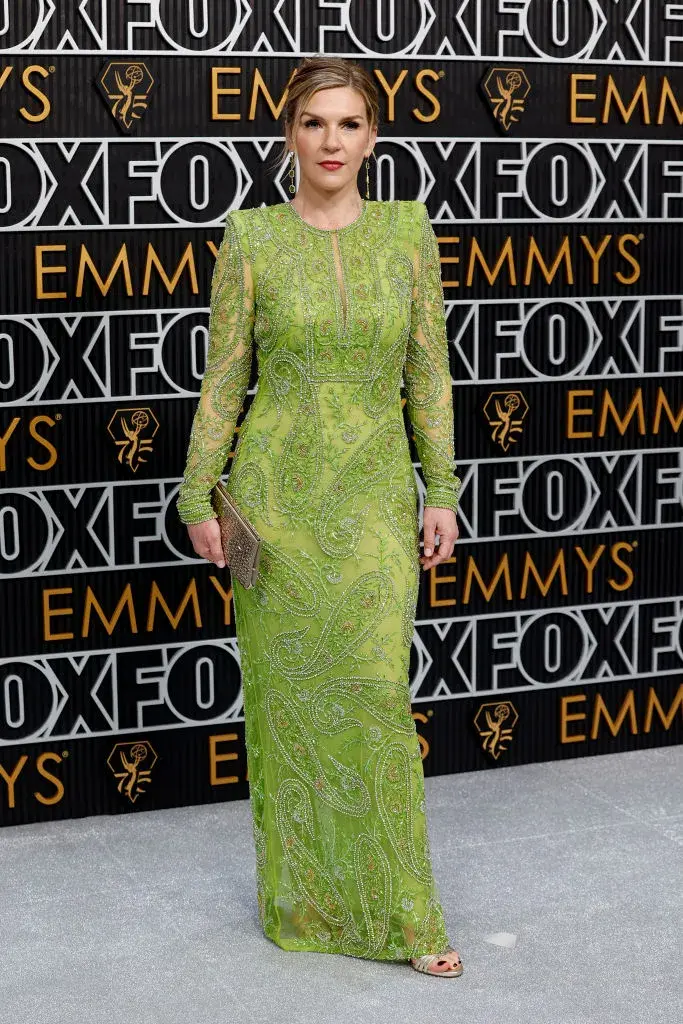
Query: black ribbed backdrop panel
[546,143]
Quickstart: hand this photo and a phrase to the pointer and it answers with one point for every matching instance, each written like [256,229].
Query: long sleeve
[225,381]
[427,374]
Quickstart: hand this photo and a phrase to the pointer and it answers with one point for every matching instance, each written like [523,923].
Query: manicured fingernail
[428,551]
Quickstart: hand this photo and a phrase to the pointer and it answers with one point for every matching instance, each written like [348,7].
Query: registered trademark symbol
[430,713]
[442,73]
[52,69]
[635,544]
[641,237]
[58,415]
[65,753]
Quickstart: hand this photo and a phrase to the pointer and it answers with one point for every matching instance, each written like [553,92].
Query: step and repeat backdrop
[545,137]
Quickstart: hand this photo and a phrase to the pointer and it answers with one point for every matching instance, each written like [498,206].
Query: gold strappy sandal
[424,963]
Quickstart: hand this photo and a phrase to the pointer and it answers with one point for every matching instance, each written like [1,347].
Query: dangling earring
[367,177]
[292,166]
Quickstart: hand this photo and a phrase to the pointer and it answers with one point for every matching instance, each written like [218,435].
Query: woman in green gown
[340,298]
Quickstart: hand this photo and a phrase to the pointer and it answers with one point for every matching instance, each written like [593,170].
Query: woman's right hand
[206,540]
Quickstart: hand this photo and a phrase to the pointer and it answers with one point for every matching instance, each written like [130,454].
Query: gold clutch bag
[241,543]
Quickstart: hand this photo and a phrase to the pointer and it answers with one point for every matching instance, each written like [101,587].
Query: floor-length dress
[322,468]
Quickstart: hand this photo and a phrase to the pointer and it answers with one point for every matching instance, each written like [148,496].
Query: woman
[340,297]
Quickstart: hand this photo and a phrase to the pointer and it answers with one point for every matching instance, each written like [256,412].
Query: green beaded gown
[322,468]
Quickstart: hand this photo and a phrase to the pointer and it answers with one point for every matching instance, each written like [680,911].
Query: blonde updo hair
[321,72]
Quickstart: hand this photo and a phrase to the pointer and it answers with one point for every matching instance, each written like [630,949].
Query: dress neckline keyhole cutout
[339,270]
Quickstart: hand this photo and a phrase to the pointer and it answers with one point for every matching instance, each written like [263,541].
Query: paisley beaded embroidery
[338,320]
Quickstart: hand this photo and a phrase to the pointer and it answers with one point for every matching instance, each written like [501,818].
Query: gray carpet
[561,882]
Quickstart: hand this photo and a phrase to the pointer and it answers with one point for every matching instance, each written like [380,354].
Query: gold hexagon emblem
[126,86]
[506,90]
[506,412]
[126,761]
[495,724]
[132,431]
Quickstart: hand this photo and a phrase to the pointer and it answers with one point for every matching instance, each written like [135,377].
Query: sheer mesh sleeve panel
[427,375]
[225,381]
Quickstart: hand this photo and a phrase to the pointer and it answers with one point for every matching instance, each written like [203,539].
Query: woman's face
[331,138]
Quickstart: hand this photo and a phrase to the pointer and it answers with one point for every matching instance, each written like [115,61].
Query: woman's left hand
[443,522]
